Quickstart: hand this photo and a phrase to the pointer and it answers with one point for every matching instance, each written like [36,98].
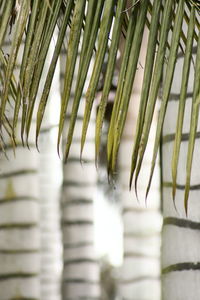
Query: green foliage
[95,28]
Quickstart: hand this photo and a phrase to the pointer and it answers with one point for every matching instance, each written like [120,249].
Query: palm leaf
[129,78]
[193,124]
[85,59]
[32,61]
[19,31]
[184,84]
[72,53]
[154,27]
[122,74]
[50,74]
[30,33]
[41,60]
[92,28]
[155,83]
[100,53]
[6,8]
[168,82]
[118,23]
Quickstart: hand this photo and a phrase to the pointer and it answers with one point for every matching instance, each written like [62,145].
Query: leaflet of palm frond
[89,19]
[9,130]
[175,41]
[118,23]
[3,64]
[40,65]
[85,59]
[49,4]
[32,60]
[196,4]
[148,23]
[2,144]
[27,45]
[149,63]
[129,79]
[182,101]
[187,19]
[72,53]
[17,38]
[123,68]
[125,23]
[92,20]
[2,5]
[52,67]
[155,83]
[99,59]
[7,7]
[193,125]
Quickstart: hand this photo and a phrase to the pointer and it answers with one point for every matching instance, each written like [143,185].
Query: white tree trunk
[81,268]
[181,239]
[50,178]
[19,219]
[142,225]
[19,225]
[140,273]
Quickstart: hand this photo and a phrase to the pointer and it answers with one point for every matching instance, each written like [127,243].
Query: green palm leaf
[184,84]
[92,28]
[193,124]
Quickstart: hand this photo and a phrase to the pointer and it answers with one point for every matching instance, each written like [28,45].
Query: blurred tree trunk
[19,218]
[181,239]
[81,268]
[19,224]
[50,178]
[140,273]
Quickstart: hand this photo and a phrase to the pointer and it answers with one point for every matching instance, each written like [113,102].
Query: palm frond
[196,4]
[193,124]
[95,28]
[182,101]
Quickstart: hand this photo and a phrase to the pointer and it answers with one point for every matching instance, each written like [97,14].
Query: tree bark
[50,179]
[81,267]
[19,218]
[180,235]
[140,273]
